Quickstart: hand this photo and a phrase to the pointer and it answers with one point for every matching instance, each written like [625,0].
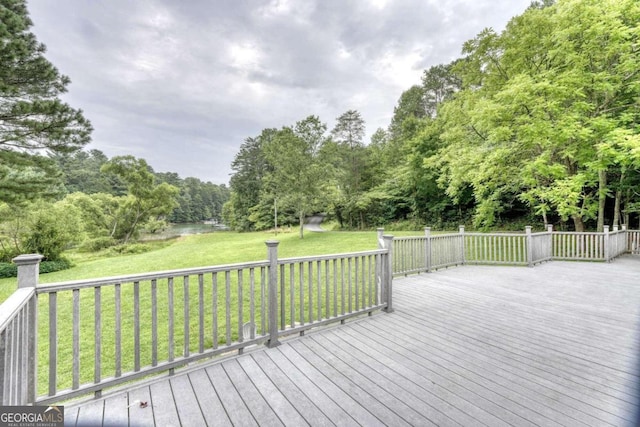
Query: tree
[250,166]
[33,119]
[541,104]
[348,134]
[298,176]
[145,199]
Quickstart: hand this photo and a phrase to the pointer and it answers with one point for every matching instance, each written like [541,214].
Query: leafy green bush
[8,270]
[97,244]
[57,265]
[11,270]
[130,248]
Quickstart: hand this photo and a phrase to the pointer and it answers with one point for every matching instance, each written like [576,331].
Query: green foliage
[145,199]
[39,227]
[8,269]
[32,117]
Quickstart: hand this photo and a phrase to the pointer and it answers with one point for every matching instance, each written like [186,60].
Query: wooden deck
[553,345]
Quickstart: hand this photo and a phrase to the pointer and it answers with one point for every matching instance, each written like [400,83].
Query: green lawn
[205,250]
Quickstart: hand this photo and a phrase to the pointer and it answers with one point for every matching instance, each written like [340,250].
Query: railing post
[28,269]
[28,272]
[427,249]
[380,238]
[550,231]
[463,255]
[272,250]
[607,248]
[387,274]
[529,246]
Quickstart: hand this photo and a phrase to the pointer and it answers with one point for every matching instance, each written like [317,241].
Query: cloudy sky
[183,83]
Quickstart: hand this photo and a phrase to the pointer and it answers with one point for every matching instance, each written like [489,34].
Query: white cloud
[182,84]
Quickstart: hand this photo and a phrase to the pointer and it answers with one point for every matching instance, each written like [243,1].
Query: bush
[97,244]
[11,270]
[130,248]
[8,270]
[57,265]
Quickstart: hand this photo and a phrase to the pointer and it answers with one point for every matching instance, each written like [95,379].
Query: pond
[184,229]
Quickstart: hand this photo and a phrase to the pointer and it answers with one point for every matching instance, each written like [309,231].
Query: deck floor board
[554,345]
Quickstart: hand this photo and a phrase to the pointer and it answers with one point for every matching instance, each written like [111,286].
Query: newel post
[529,246]
[427,249]
[463,257]
[28,272]
[607,248]
[272,250]
[380,238]
[550,247]
[387,274]
[28,269]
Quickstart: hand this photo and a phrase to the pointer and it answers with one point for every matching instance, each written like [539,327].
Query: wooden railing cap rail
[85,283]
[330,256]
[13,305]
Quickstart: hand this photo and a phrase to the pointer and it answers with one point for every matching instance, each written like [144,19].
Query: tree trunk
[301,225]
[544,218]
[626,214]
[618,201]
[578,223]
[602,198]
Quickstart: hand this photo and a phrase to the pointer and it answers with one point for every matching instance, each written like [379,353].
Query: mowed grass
[204,250]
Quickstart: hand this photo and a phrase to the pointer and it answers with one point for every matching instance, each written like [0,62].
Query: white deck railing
[429,252]
[98,333]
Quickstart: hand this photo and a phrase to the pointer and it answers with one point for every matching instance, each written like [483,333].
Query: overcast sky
[183,83]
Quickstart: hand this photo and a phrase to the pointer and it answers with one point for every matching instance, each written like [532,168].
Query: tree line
[52,193]
[540,122]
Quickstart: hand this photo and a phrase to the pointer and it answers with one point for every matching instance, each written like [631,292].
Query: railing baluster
[118,328]
[97,370]
[301,292]
[201,313]
[357,288]
[136,326]
[335,288]
[240,274]
[327,307]
[263,301]
[171,348]
[186,316]
[283,309]
[252,303]
[342,286]
[227,284]
[319,289]
[53,342]
[154,322]
[214,309]
[292,295]
[76,339]
[310,291]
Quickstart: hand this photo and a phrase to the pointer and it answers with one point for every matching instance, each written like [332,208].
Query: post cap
[27,259]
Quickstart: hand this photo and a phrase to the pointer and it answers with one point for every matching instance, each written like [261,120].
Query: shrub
[8,270]
[11,270]
[97,244]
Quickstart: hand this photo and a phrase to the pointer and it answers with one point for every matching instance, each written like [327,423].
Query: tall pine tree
[33,119]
